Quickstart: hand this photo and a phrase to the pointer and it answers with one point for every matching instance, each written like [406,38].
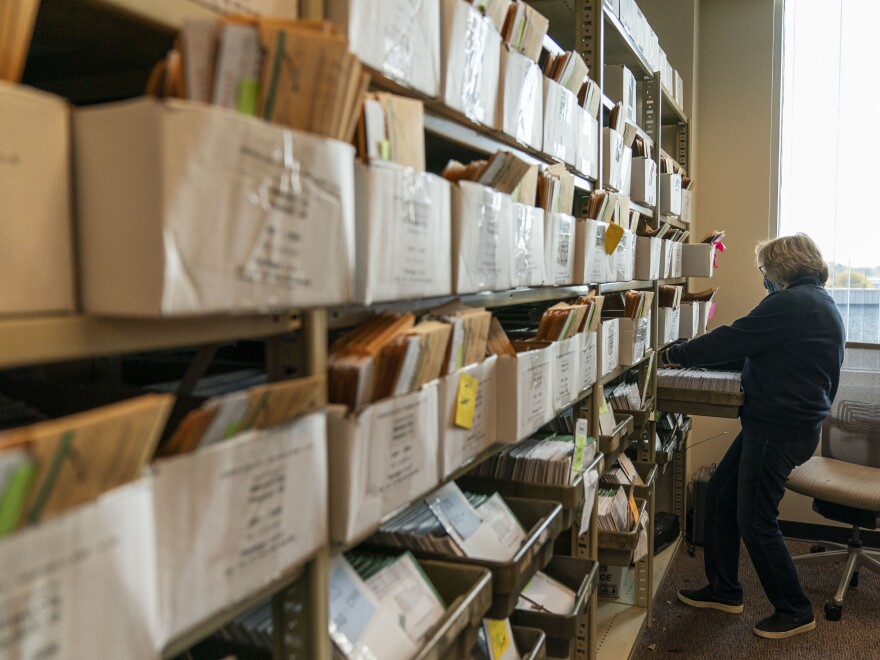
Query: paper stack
[524,29]
[700,379]
[555,189]
[614,510]
[625,396]
[392,128]
[504,172]
[542,460]
[568,69]
[470,334]
[544,594]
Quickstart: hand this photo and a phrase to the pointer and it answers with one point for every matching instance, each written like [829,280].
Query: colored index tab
[385,149]
[612,237]
[466,401]
[580,444]
[247,100]
[499,640]
[633,508]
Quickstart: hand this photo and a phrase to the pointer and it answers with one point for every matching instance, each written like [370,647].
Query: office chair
[844,481]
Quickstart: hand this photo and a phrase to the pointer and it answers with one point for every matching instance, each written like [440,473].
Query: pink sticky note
[711,310]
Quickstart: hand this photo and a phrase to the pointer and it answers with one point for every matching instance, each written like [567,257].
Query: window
[829,169]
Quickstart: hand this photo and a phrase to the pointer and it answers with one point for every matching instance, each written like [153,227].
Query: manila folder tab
[84,455]
[284,401]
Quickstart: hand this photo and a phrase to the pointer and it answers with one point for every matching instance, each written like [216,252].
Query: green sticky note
[580,443]
[247,98]
[12,500]
[603,409]
[385,149]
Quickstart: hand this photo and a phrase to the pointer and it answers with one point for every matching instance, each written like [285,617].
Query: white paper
[551,594]
[591,486]
[405,588]
[352,604]
[83,585]
[500,536]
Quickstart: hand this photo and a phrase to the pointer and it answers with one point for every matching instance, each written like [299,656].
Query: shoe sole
[807,627]
[711,605]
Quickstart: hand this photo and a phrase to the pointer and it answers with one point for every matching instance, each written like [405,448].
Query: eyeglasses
[763,272]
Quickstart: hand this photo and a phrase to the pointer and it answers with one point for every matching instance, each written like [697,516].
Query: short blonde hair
[789,258]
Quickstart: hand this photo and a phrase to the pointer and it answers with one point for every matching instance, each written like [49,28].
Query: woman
[790,349]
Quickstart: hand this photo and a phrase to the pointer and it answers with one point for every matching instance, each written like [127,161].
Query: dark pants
[743,502]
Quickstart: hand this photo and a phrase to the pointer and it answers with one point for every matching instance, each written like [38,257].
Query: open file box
[648,253]
[567,376]
[668,321]
[612,159]
[634,338]
[644,181]
[36,253]
[697,259]
[232,517]
[528,246]
[560,124]
[204,210]
[587,161]
[407,214]
[482,238]
[458,445]
[525,385]
[471,48]
[670,194]
[689,320]
[520,108]
[381,458]
[559,249]
[588,359]
[623,258]
[400,38]
[593,264]
[608,354]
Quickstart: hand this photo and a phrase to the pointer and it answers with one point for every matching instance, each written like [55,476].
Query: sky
[829,172]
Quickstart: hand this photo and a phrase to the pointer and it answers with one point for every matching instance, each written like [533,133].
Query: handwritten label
[466,401]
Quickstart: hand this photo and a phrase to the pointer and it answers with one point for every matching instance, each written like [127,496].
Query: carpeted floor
[683,632]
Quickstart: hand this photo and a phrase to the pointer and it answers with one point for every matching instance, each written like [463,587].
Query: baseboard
[814,532]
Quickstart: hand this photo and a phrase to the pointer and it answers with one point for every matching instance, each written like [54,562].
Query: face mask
[770,285]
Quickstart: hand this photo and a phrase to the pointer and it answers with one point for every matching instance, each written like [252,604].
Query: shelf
[614,287]
[646,211]
[621,49]
[44,339]
[675,221]
[671,113]
[167,14]
[673,280]
[617,372]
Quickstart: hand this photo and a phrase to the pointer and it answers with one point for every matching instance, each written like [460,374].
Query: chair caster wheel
[854,580]
[817,548]
[833,612]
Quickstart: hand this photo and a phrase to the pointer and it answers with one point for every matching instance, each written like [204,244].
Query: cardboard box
[620,86]
[592,264]
[528,248]
[626,172]
[678,82]
[634,336]
[648,258]
[587,160]
[612,159]
[608,340]
[703,325]
[668,319]
[234,516]
[471,51]
[676,267]
[559,248]
[644,181]
[82,585]
[689,320]
[667,247]
[400,38]
[624,257]
[520,108]
[614,581]
[560,128]
[613,6]
[36,251]
[525,386]
[381,458]
[687,206]
[458,445]
[482,239]
[203,210]
[407,214]
[567,378]
[670,194]
[589,359]
[697,259]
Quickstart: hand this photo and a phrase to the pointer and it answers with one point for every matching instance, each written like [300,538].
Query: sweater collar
[808,280]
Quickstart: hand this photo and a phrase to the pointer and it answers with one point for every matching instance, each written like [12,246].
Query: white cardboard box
[608,354]
[634,335]
[36,251]
[689,320]
[83,584]
[482,239]
[471,50]
[559,248]
[678,82]
[667,247]
[520,108]
[697,259]
[560,127]
[612,159]
[592,264]
[626,172]
[588,360]
[525,386]
[644,181]
[670,194]
[458,445]
[676,267]
[668,321]
[620,86]
[587,161]
[380,459]
[613,6]
[234,516]
[528,248]
[407,214]
[400,38]
[703,326]
[203,210]
[647,264]
[567,378]
[614,581]
[687,206]
[623,258]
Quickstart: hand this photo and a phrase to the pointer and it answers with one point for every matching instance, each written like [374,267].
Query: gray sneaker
[702,599]
[780,626]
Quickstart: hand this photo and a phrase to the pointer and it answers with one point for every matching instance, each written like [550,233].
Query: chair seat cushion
[849,484]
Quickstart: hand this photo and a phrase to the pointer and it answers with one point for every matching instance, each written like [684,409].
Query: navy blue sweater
[790,348]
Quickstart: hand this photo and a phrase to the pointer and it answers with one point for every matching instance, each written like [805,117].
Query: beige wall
[732,158]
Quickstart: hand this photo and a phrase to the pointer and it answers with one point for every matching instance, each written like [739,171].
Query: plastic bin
[642,416]
[648,472]
[700,402]
[530,642]
[616,548]
[608,444]
[579,575]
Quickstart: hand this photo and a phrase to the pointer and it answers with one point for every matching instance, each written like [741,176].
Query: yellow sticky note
[612,237]
[499,640]
[633,507]
[466,401]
